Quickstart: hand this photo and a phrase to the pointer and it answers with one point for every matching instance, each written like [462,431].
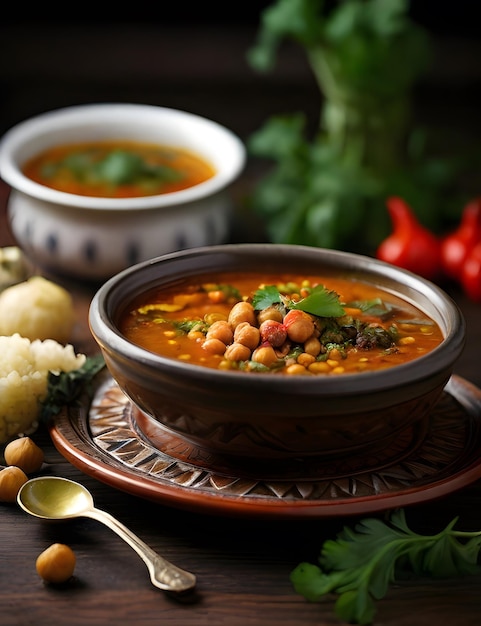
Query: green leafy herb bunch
[361,563]
[329,191]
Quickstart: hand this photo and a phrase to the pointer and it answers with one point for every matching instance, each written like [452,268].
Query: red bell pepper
[457,245]
[410,245]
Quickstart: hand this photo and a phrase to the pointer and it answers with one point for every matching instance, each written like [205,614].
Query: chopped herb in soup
[284,324]
[117,169]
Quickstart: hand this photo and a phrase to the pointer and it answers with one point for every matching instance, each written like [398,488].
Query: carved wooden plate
[110,439]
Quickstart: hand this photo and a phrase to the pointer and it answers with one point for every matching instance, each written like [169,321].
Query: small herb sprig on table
[64,388]
[361,563]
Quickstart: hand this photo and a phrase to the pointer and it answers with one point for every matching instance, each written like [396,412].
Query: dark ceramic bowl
[271,416]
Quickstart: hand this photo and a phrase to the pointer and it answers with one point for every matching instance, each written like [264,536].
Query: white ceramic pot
[94,238]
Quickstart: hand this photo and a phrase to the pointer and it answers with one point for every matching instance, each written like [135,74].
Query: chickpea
[217,296]
[247,335]
[319,367]
[237,352]
[269,313]
[25,454]
[306,359]
[312,346]
[220,330]
[296,370]
[56,564]
[11,479]
[214,346]
[265,355]
[273,332]
[242,312]
[335,354]
[300,325]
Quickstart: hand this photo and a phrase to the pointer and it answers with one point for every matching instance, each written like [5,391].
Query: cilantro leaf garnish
[321,302]
[188,325]
[117,167]
[361,563]
[265,297]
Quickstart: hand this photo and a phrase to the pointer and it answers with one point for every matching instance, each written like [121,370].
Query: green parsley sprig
[320,301]
[361,563]
[64,388]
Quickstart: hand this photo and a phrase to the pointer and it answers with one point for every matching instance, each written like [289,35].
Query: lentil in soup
[287,324]
[118,169]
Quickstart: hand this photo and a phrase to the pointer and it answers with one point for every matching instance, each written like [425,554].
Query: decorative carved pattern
[110,431]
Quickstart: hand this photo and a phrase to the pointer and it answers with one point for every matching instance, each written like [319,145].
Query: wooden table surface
[242,566]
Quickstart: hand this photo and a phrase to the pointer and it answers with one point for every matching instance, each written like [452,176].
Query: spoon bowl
[56,498]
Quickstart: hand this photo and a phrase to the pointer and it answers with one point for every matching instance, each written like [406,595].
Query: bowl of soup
[97,188]
[269,352]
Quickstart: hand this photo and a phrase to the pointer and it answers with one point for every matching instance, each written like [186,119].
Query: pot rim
[434,363]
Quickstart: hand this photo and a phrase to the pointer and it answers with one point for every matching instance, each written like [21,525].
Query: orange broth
[182,168]
[155,320]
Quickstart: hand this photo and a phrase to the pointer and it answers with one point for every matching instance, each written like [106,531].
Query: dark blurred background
[193,56]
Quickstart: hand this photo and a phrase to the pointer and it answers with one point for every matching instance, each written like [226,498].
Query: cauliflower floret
[37,309]
[24,369]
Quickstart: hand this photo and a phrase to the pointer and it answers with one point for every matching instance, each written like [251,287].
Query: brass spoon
[55,498]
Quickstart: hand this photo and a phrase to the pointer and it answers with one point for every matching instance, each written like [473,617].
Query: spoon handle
[163,574]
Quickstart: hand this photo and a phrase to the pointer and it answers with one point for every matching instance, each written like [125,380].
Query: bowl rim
[78,115]
[435,362]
